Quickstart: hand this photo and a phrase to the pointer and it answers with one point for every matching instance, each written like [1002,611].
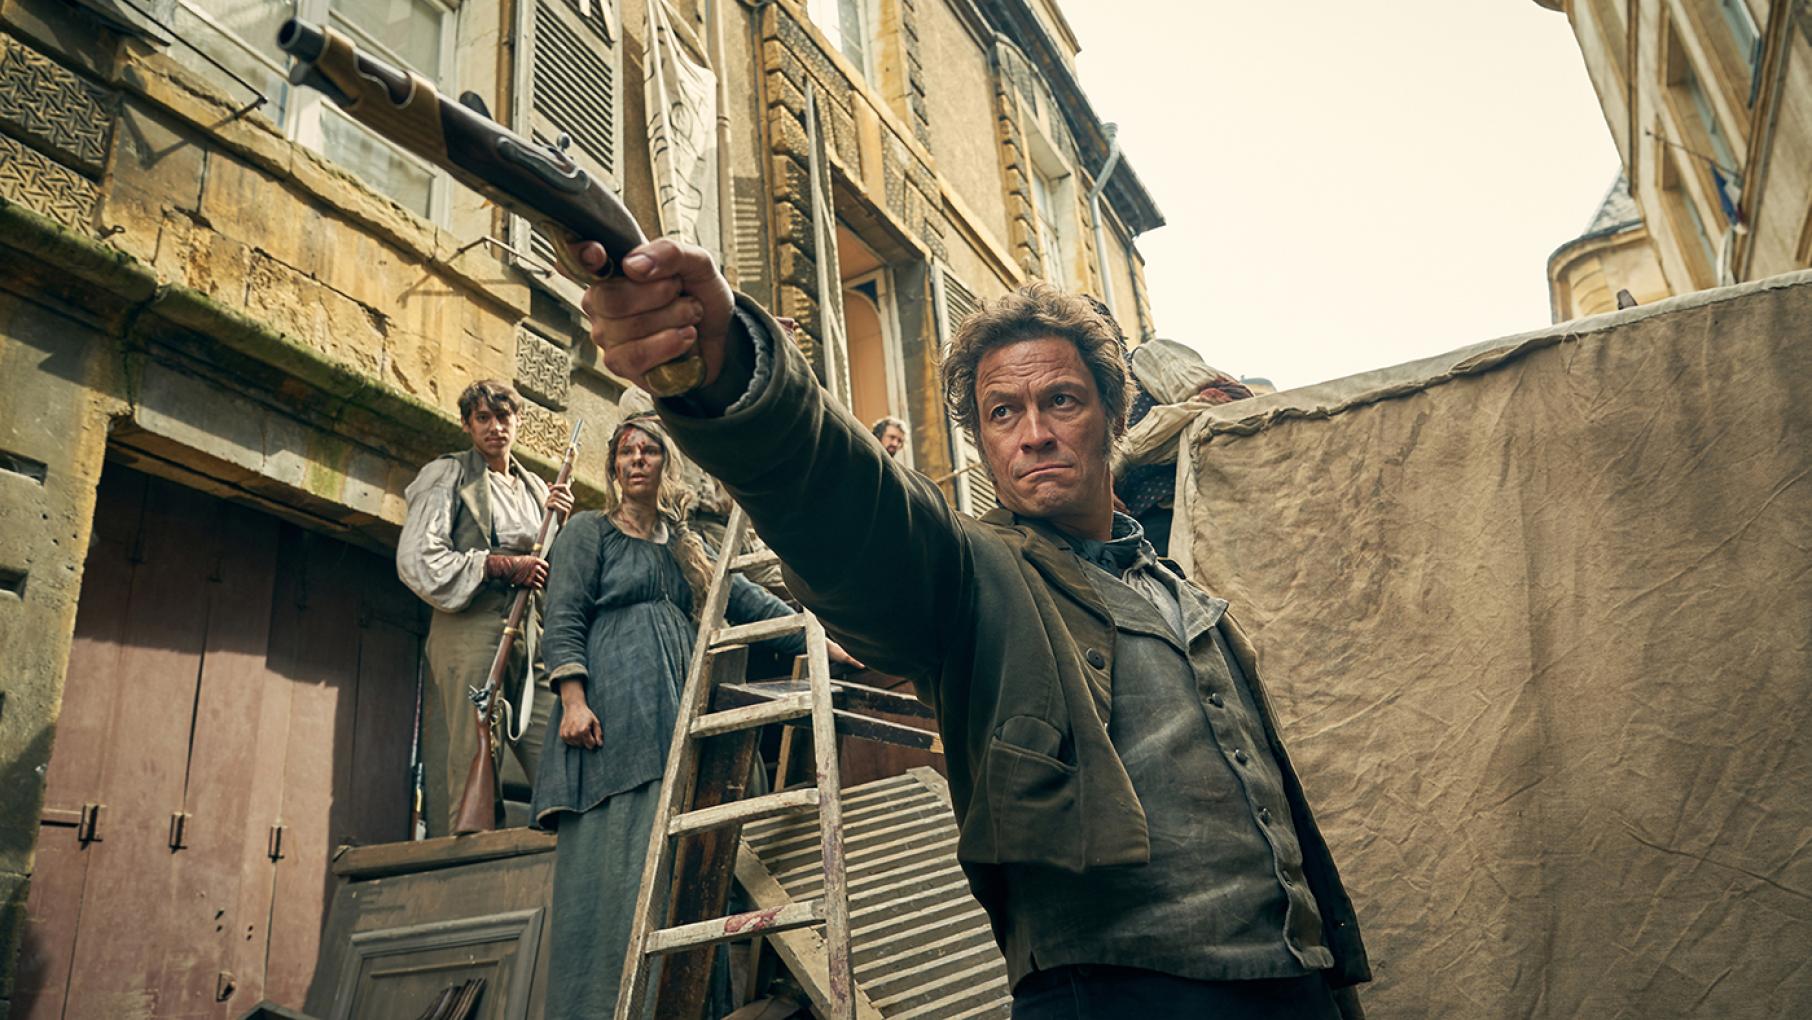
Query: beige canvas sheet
[1538,620]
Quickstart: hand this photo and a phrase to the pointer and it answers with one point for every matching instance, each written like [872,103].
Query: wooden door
[223,724]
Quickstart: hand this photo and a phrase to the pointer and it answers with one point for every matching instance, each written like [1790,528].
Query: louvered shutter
[569,83]
[974,489]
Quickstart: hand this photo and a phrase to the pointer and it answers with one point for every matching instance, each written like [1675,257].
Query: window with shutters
[568,92]
[974,488]
[242,34]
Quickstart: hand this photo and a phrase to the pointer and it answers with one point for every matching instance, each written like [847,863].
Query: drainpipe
[726,193]
[1094,212]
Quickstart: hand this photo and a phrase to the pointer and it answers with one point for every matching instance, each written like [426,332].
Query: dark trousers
[1110,993]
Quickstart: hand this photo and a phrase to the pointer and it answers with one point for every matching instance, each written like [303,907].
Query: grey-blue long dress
[619,616]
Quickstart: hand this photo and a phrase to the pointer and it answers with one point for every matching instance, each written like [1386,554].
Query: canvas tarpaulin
[1537,618]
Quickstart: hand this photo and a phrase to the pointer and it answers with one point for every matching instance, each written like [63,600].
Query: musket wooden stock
[478,803]
[534,181]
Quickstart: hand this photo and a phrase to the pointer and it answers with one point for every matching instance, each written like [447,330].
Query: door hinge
[86,822]
[274,847]
[179,830]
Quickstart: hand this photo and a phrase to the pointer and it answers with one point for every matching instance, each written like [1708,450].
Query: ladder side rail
[830,826]
[681,767]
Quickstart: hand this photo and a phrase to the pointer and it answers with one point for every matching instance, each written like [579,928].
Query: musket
[478,803]
[539,183]
[418,774]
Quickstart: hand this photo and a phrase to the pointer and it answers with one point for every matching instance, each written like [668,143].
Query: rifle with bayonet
[478,803]
[540,183]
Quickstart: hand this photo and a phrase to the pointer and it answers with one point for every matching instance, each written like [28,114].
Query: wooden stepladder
[679,815]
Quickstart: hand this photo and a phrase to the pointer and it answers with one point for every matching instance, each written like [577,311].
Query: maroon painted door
[239,700]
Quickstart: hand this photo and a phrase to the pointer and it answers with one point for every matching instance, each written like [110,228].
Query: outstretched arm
[870,547]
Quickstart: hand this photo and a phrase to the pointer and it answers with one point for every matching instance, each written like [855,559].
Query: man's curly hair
[1036,311]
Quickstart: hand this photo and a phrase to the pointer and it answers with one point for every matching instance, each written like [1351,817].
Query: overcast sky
[1353,184]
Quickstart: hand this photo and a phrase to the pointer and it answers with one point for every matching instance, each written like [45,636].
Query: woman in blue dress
[622,593]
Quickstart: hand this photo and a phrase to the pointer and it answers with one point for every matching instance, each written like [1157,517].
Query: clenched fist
[666,300]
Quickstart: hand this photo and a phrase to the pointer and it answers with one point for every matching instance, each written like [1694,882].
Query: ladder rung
[760,630]
[737,926]
[793,706]
[753,561]
[765,806]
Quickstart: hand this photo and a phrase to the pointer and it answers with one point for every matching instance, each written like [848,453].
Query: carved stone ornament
[29,178]
[52,107]
[543,368]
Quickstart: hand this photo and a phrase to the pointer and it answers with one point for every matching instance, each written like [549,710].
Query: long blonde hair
[673,502]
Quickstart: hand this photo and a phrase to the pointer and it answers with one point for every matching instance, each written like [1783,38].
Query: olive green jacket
[993,620]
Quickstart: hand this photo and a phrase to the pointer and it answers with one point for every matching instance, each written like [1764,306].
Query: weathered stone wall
[52,439]
[184,289]
[1632,52]
[875,153]
[962,129]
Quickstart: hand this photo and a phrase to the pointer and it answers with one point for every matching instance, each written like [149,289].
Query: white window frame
[1053,188]
[893,356]
[827,17]
[300,110]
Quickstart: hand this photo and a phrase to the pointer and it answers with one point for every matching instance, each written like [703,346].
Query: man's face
[1044,432]
[492,429]
[639,465]
[893,438]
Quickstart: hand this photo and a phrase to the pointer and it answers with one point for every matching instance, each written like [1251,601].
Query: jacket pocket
[1032,796]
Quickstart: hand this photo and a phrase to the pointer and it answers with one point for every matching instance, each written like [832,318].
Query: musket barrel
[301,39]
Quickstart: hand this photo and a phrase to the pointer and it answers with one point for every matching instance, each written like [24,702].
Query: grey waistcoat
[1224,896]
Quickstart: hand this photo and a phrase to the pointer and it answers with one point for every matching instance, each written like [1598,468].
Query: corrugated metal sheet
[920,944]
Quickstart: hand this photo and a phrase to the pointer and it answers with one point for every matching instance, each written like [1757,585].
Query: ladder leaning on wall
[690,809]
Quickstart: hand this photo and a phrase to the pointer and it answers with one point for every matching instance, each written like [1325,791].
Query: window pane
[253,21]
[376,163]
[854,40]
[410,28]
[237,33]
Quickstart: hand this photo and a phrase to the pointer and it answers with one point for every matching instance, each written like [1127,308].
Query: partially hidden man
[466,548]
[1128,816]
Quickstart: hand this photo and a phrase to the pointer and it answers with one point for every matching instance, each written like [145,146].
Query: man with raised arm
[1128,816]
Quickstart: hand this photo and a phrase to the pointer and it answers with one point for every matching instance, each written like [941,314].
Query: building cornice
[1017,20]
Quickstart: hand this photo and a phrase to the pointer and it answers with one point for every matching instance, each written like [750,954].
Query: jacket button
[1215,700]
[1264,815]
[1095,658]
[1241,757]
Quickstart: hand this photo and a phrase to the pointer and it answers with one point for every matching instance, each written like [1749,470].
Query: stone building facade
[1709,103]
[233,325]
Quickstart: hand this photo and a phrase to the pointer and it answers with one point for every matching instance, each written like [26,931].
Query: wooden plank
[760,630]
[73,778]
[802,950]
[707,934]
[361,863]
[318,612]
[131,871]
[766,806]
[223,877]
[767,713]
[848,723]
[377,803]
[379,911]
[840,985]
